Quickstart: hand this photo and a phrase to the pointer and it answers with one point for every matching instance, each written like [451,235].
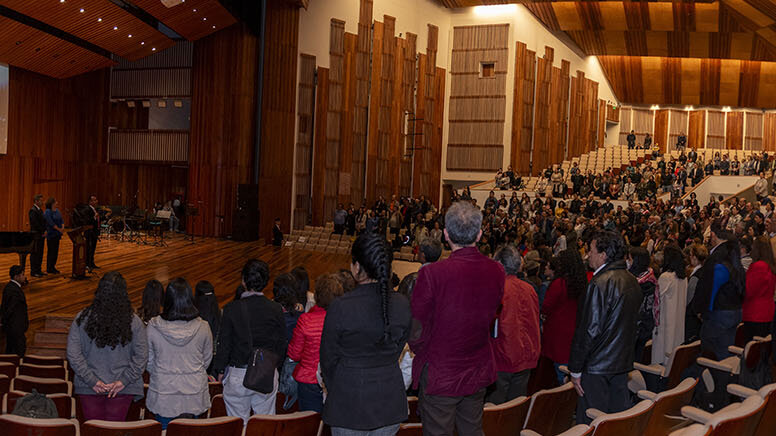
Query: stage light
[81,10]
[61,1]
[214,27]
[195,10]
[129,36]
[115,27]
[142,42]
[204,19]
[99,20]
[495,10]
[153,49]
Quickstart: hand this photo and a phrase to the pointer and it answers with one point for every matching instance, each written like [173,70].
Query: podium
[79,251]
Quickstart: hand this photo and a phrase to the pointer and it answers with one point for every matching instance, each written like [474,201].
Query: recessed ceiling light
[61,1]
[214,27]
[142,42]
[195,10]
[153,49]
[204,19]
[129,36]
[81,10]
[99,20]
[115,27]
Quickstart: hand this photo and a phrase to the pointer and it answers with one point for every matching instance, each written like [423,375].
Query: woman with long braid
[363,335]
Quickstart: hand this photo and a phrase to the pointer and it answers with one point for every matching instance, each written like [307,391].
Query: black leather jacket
[605,336]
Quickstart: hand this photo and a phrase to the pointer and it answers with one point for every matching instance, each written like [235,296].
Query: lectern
[79,251]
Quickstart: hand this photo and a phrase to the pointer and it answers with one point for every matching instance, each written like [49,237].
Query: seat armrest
[696,415]
[564,369]
[758,338]
[646,395]
[736,350]
[593,413]
[740,391]
[708,363]
[655,369]
[529,433]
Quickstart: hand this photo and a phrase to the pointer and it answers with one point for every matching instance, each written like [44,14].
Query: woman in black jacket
[364,333]
[638,265]
[249,322]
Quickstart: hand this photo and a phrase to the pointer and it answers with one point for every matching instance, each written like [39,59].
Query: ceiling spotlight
[195,10]
[153,49]
[61,1]
[142,42]
[81,10]
[99,20]
[214,27]
[204,19]
[115,27]
[129,36]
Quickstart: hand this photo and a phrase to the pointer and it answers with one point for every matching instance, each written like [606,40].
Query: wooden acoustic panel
[696,129]
[522,112]
[734,131]
[715,129]
[476,127]
[101,23]
[661,129]
[303,155]
[753,135]
[769,131]
[188,19]
[25,47]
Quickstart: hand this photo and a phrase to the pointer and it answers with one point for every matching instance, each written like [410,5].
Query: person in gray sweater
[180,348]
[107,350]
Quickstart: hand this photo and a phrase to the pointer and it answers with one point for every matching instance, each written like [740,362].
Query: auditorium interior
[250,125]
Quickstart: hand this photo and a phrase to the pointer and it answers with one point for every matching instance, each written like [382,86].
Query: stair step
[52,336]
[58,321]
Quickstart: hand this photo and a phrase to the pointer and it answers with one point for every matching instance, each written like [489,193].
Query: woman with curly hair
[364,333]
[108,351]
[559,308]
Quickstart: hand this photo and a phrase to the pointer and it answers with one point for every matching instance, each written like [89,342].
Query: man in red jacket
[455,302]
[517,337]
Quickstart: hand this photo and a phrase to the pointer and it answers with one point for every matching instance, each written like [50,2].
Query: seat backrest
[146,427]
[412,403]
[5,384]
[42,371]
[412,429]
[26,383]
[43,360]
[65,403]
[755,352]
[292,424]
[11,358]
[767,422]
[19,425]
[669,404]
[551,410]
[223,426]
[682,358]
[738,419]
[506,418]
[8,369]
[632,421]
[217,406]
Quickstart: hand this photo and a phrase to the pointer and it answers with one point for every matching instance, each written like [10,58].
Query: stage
[216,260]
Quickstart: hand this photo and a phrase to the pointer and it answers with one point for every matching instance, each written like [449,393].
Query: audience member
[285,293]
[13,312]
[207,304]
[180,348]
[692,323]
[517,337]
[638,261]
[452,384]
[305,345]
[55,226]
[250,322]
[602,351]
[364,334]
[430,250]
[406,287]
[758,305]
[303,292]
[108,352]
[670,304]
[151,304]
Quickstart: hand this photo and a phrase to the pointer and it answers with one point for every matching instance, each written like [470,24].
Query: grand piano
[17,242]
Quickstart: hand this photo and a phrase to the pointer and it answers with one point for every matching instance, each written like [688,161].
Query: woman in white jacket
[669,307]
[180,348]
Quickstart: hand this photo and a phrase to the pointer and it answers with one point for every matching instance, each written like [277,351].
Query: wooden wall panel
[304,147]
[522,112]
[753,135]
[734,131]
[223,114]
[715,137]
[319,147]
[382,118]
[347,181]
[661,129]
[403,182]
[361,107]
[476,139]
[427,159]
[678,124]
[769,131]
[696,129]
[334,181]
[644,122]
[540,147]
[376,129]
[601,122]
[626,115]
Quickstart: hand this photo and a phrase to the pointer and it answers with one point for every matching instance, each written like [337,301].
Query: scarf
[649,276]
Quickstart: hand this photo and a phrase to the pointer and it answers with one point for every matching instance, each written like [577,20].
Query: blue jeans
[166,421]
[718,331]
[310,397]
[561,375]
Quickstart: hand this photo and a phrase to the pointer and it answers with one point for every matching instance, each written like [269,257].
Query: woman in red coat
[305,344]
[758,306]
[559,309]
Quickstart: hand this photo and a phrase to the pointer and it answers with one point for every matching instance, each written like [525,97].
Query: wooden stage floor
[216,260]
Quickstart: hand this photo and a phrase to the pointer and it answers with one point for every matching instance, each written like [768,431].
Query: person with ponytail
[364,333]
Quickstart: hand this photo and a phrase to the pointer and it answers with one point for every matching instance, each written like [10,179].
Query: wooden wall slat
[335,181]
[374,110]
[753,136]
[734,131]
[319,147]
[601,122]
[697,129]
[304,147]
[715,136]
[522,113]
[348,179]
[661,129]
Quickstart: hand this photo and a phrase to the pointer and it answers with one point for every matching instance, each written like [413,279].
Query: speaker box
[245,225]
[248,197]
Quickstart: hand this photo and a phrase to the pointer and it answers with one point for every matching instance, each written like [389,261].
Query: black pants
[509,385]
[607,393]
[91,248]
[339,229]
[752,329]
[310,397]
[52,254]
[443,416]
[36,257]
[15,342]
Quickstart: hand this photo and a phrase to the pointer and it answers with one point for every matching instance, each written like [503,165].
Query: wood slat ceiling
[37,51]
[185,21]
[86,25]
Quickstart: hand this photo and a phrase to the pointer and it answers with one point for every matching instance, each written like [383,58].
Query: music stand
[79,251]
[164,217]
[192,212]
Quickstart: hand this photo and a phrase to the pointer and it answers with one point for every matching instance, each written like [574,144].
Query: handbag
[260,373]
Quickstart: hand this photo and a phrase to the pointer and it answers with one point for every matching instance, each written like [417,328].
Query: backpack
[35,405]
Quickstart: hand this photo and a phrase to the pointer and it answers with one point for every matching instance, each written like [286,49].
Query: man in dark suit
[692,155]
[13,313]
[38,229]
[631,138]
[277,234]
[93,234]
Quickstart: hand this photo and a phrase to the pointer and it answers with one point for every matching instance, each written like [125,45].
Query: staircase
[51,340]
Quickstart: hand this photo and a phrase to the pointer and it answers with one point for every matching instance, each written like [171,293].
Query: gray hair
[510,258]
[462,222]
[431,249]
